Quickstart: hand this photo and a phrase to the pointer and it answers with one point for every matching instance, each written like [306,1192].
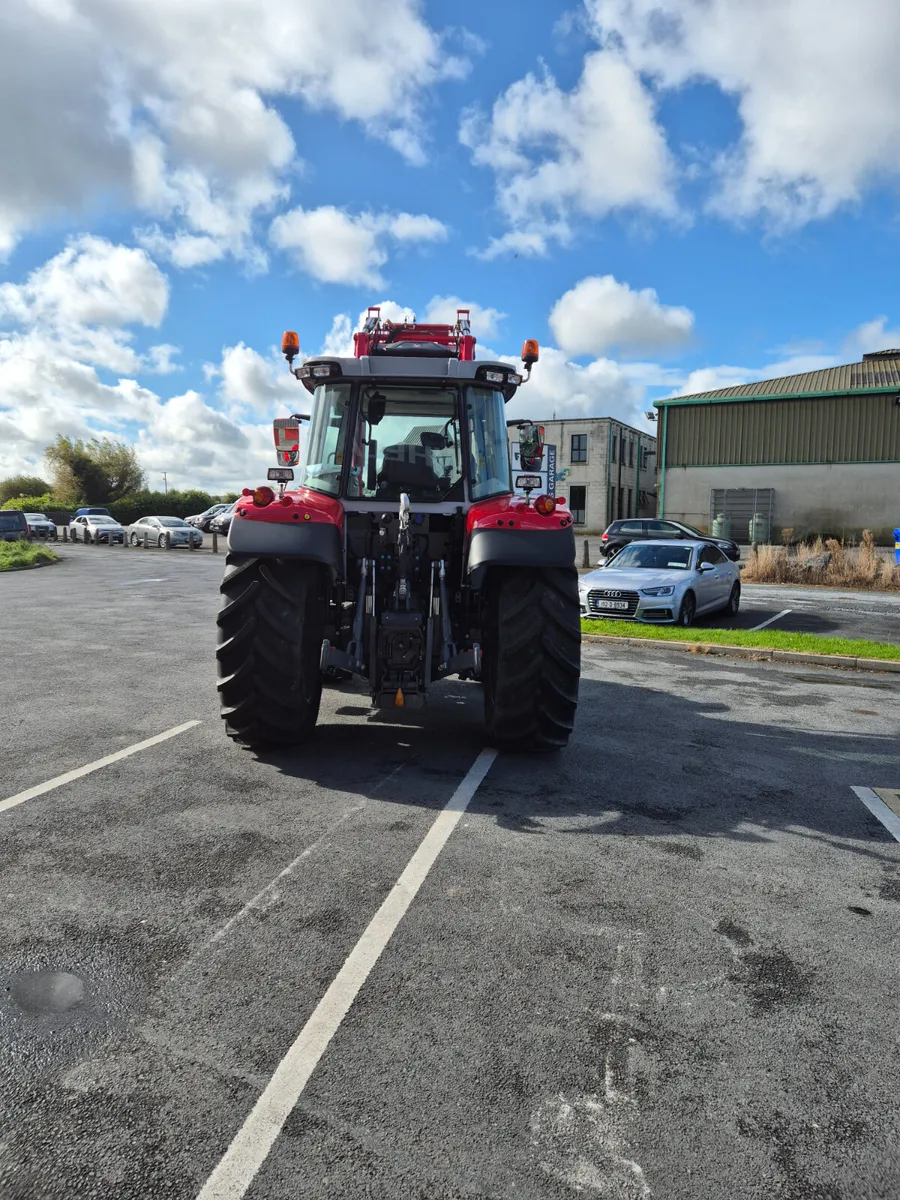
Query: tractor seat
[407,468]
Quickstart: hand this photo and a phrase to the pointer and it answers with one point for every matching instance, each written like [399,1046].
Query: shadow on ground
[642,762]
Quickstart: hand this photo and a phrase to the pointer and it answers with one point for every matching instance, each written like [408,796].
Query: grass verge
[765,639]
[14,556]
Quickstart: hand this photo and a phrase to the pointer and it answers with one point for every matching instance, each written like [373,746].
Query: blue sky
[668,194]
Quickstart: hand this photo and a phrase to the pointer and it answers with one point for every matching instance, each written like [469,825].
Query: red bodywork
[456,338]
[512,512]
[303,506]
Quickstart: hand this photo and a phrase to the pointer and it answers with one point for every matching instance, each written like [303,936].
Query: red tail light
[605,538]
[545,505]
[263,496]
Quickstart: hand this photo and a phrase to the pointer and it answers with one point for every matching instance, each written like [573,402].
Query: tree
[97,472]
[22,485]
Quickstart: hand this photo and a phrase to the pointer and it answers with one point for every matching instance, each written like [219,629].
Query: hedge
[126,511]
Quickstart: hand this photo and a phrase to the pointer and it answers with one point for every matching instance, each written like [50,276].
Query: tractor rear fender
[308,527]
[508,531]
[518,548]
[318,543]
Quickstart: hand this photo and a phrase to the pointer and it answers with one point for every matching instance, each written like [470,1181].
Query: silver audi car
[667,582]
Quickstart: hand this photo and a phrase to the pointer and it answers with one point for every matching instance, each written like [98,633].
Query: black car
[13,526]
[221,523]
[203,520]
[620,533]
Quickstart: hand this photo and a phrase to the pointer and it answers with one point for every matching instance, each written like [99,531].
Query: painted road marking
[253,1141]
[771,620]
[873,801]
[891,797]
[89,768]
[268,896]
[135,582]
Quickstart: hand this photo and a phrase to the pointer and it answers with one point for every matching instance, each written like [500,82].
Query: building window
[631,454]
[619,512]
[613,448]
[577,503]
[630,513]
[579,447]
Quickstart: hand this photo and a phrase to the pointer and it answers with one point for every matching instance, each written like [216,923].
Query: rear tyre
[687,611]
[734,601]
[532,657]
[271,627]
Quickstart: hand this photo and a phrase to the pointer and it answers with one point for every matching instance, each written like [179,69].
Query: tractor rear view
[405,554]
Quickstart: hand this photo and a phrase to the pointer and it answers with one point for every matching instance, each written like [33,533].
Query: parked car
[40,527]
[622,533]
[96,528]
[222,523]
[202,520]
[92,512]
[156,528]
[664,583]
[13,526]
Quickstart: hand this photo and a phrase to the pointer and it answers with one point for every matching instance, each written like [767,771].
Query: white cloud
[564,389]
[589,151]
[335,247]
[252,382]
[871,336]
[69,324]
[599,313]
[171,105]
[817,91]
[485,322]
[91,282]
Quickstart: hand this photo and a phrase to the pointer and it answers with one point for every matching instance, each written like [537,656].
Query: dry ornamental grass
[828,564]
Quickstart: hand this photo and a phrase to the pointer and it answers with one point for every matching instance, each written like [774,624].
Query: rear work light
[494,376]
[263,496]
[545,505]
[320,372]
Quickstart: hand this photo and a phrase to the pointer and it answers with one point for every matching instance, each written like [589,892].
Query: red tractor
[405,554]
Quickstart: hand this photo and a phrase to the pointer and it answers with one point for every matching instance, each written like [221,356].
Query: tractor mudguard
[519,548]
[315,541]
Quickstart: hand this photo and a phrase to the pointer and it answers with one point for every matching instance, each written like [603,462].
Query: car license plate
[617,604]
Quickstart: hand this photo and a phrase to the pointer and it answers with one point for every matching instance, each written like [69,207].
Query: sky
[670,195]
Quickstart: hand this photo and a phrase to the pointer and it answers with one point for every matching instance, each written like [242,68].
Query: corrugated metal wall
[831,429]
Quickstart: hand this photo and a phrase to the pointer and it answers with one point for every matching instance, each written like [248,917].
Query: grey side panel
[519,548]
[314,541]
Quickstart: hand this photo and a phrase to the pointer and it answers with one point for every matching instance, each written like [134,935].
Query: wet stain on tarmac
[889,889]
[771,979]
[682,849]
[734,933]
[46,991]
[859,910]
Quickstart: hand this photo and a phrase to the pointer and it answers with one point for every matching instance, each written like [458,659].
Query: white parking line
[253,1141]
[879,809]
[771,620]
[69,776]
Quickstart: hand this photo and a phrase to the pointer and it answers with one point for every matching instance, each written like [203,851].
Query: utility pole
[165,483]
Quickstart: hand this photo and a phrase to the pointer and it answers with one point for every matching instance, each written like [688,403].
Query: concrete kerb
[757,653]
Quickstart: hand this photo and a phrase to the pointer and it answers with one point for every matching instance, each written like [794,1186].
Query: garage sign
[547,472]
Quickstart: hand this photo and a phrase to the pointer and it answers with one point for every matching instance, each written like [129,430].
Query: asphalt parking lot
[659,965]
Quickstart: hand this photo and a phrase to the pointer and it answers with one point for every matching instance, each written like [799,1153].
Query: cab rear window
[10,521]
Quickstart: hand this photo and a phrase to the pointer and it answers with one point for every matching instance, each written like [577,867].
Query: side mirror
[704,567]
[287,440]
[375,408]
[531,446]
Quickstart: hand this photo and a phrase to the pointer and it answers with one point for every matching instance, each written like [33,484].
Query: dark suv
[620,533]
[13,526]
